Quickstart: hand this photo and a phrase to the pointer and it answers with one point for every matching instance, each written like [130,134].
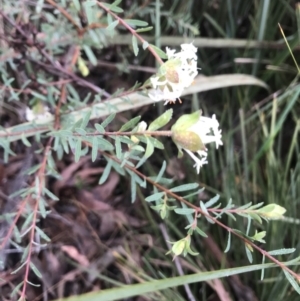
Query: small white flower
[192,132]
[37,114]
[188,51]
[175,74]
[29,114]
[198,162]
[208,130]
[142,126]
[170,53]
[166,93]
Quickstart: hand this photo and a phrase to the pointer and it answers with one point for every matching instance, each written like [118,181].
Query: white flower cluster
[175,75]
[32,115]
[208,131]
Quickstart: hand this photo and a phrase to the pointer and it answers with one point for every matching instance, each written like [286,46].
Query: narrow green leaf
[204,209]
[248,224]
[76,4]
[144,30]
[135,46]
[118,168]
[292,281]
[78,150]
[90,54]
[160,53]
[18,192]
[51,195]
[94,148]
[106,172]
[130,124]
[129,291]
[249,254]
[50,161]
[25,140]
[228,242]
[39,96]
[156,143]
[37,185]
[149,149]
[113,8]
[133,189]
[65,133]
[33,284]
[124,139]
[133,22]
[197,192]
[212,201]
[161,120]
[99,128]
[25,254]
[21,266]
[16,290]
[255,217]
[112,25]
[27,221]
[42,207]
[185,187]
[65,145]
[118,148]
[104,144]
[17,234]
[108,120]
[77,124]
[116,3]
[161,172]
[230,215]
[184,211]
[35,270]
[282,252]
[200,232]
[245,206]
[256,206]
[32,170]
[42,234]
[85,119]
[39,6]
[155,197]
[262,275]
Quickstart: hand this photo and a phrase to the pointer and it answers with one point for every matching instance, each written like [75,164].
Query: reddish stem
[198,210]
[132,31]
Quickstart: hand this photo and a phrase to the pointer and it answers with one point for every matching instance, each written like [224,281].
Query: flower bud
[192,131]
[272,211]
[188,140]
[174,75]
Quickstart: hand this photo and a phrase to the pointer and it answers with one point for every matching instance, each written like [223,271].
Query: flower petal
[198,162]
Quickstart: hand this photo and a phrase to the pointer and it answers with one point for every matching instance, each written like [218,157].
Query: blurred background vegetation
[99,239]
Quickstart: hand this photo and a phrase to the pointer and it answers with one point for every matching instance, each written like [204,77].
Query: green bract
[186,121]
[185,139]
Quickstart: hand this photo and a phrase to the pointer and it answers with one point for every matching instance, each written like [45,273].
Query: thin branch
[132,31]
[40,175]
[65,14]
[198,210]
[142,133]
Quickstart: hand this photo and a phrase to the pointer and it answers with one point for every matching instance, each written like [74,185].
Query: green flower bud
[182,246]
[179,247]
[192,132]
[187,140]
[272,211]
